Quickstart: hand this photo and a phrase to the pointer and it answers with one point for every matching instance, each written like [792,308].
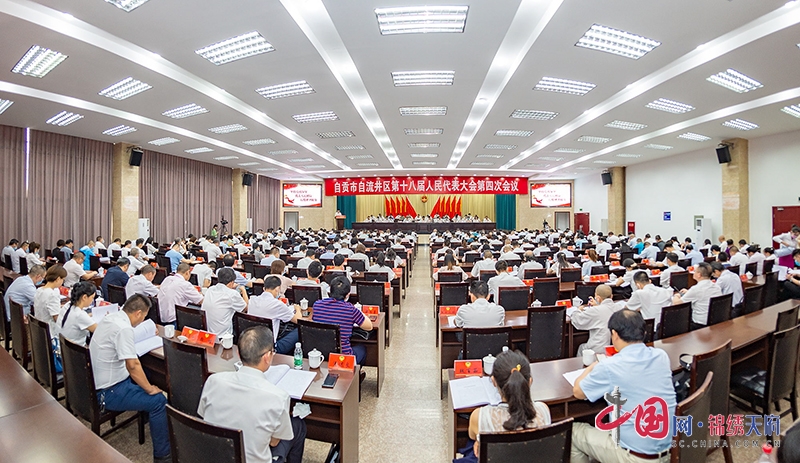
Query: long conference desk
[425,227]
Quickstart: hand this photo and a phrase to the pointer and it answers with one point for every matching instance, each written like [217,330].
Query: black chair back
[770,289]
[697,404]
[684,263]
[486,275]
[324,337]
[734,269]
[649,330]
[357,265]
[193,279]
[81,398]
[584,290]
[768,264]
[116,295]
[161,274]
[329,275]
[660,256]
[787,319]
[719,362]
[242,321]
[164,262]
[19,333]
[44,367]
[453,293]
[193,440]
[753,299]
[471,257]
[187,371]
[60,256]
[376,276]
[675,320]
[370,293]
[310,293]
[298,272]
[570,274]
[545,338]
[258,288]
[480,342]
[193,318]
[448,277]
[249,266]
[679,280]
[260,271]
[23,266]
[599,270]
[514,297]
[153,313]
[5,325]
[94,263]
[751,267]
[7,280]
[783,364]
[719,309]
[548,444]
[326,262]
[546,290]
[531,273]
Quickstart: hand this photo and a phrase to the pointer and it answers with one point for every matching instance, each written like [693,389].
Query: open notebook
[473,391]
[100,311]
[294,382]
[146,337]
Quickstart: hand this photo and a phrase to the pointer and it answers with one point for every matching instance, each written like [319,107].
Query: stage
[424,227]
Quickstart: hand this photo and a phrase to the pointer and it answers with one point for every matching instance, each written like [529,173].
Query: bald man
[594,317]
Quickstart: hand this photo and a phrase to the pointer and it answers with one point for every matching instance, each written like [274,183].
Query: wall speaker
[606,176]
[724,154]
[136,157]
[247,179]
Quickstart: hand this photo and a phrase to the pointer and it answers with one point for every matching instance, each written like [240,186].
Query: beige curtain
[12,188]
[480,205]
[264,202]
[69,190]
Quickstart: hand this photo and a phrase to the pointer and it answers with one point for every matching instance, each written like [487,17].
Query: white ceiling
[505,49]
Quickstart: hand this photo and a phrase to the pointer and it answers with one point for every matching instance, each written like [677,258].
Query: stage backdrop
[480,205]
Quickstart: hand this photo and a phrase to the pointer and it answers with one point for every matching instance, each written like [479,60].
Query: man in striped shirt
[338,311]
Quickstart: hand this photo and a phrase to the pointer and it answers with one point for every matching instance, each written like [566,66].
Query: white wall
[686,185]
[591,196]
[774,164]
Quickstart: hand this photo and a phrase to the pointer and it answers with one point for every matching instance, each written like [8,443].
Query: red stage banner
[423,185]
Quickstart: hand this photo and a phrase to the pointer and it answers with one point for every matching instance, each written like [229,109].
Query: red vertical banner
[449,206]
[386,205]
[458,208]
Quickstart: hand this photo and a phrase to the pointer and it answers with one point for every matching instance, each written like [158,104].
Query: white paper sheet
[473,391]
[451,321]
[146,337]
[145,346]
[571,376]
[571,310]
[98,312]
[294,382]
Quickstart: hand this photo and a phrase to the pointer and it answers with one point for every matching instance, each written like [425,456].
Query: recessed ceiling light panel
[617,42]
[163,141]
[423,163]
[495,146]
[551,158]
[624,125]
[282,152]
[513,133]
[206,149]
[267,169]
[64,118]
[300,160]
[572,87]
[350,147]
[316,117]
[423,145]
[228,128]
[624,155]
[694,137]
[793,110]
[38,61]
[740,124]
[605,162]
[225,158]
[188,110]
[423,110]
[491,156]
[125,88]
[420,78]
[423,131]
[274,92]
[670,106]
[533,114]
[336,134]
[593,139]
[654,146]
[569,150]
[5,104]
[127,5]
[421,19]
[735,80]
[246,164]
[368,164]
[360,156]
[315,166]
[481,163]
[259,141]
[119,130]
[235,48]
[424,155]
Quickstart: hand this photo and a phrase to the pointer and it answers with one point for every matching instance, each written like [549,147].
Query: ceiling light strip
[779,19]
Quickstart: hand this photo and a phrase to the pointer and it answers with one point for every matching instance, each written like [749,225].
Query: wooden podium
[340,222]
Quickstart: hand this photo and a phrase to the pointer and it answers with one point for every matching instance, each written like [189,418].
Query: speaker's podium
[340,222]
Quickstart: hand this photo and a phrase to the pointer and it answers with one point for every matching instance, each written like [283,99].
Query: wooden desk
[334,412]
[18,389]
[376,345]
[386,309]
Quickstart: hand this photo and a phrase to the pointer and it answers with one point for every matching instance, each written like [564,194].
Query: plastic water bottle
[766,455]
[298,356]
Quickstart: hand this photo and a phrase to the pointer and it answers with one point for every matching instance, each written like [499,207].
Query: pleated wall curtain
[264,202]
[182,196]
[506,211]
[12,187]
[347,206]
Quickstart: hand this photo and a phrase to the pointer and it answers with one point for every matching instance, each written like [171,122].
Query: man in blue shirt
[175,257]
[694,254]
[88,251]
[641,373]
[23,290]
[117,275]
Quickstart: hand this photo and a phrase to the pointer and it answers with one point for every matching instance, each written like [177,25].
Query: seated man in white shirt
[268,305]
[669,246]
[565,251]
[594,317]
[306,261]
[119,379]
[728,283]
[737,258]
[135,262]
[274,254]
[672,267]
[314,271]
[142,283]
[699,295]
[480,313]
[649,251]
[246,400]
[543,247]
[528,262]
[509,255]
[754,255]
[75,271]
[649,299]
[486,264]
[602,247]
[503,279]
[176,290]
[204,273]
[222,301]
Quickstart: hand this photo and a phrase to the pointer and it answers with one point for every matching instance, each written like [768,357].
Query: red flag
[458,208]
[410,208]
[394,205]
[402,205]
[448,206]
[386,205]
[435,208]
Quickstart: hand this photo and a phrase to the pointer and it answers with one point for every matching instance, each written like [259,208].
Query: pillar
[736,191]
[239,195]
[124,195]
[616,201]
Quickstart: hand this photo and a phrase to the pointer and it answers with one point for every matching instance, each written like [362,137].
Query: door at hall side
[783,217]
[582,222]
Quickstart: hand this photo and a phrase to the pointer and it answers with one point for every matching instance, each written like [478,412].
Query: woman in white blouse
[380,266]
[47,301]
[73,321]
[561,262]
[450,266]
[32,257]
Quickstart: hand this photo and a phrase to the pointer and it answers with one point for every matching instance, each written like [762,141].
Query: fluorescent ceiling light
[368,164]
[793,110]
[495,146]
[246,164]
[423,163]
[282,152]
[127,5]
[316,117]
[735,80]
[260,141]
[416,78]
[267,169]
[423,145]
[38,61]
[274,92]
[624,125]
[315,166]
[336,134]
[670,106]
[551,158]
[605,162]
[617,42]
[226,158]
[350,147]
[572,87]
[423,131]
[5,104]
[64,118]
[533,114]
[424,155]
[206,149]
[185,111]
[299,160]
[163,141]
[513,133]
[421,19]
[423,110]
[654,146]
[125,88]
[593,139]
[740,124]
[360,156]
[536,165]
[569,150]
[481,163]
[238,47]
[119,130]
[491,156]
[228,128]
[623,155]
[585,168]
[694,137]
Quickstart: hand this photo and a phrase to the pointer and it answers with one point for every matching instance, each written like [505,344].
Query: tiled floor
[408,422]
